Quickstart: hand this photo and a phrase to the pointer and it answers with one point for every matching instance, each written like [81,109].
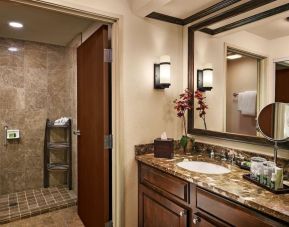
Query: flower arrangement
[202,106]
[182,105]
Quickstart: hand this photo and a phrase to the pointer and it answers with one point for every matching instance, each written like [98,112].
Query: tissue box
[164,148]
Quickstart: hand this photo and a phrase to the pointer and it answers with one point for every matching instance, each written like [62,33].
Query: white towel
[61,121]
[286,128]
[247,103]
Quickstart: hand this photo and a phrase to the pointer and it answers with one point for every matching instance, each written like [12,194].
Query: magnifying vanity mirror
[273,123]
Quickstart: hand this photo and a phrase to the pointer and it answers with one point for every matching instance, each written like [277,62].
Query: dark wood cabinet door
[158,211]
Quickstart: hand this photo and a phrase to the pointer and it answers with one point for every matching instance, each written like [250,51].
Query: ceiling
[263,18]
[40,25]
[272,29]
[185,8]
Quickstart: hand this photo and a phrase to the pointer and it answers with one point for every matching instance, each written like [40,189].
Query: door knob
[196,220]
[76,132]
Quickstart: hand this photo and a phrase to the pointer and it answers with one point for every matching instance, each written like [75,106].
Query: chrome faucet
[231,156]
[223,155]
[212,153]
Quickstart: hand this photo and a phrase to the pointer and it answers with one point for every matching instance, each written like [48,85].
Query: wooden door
[281,86]
[158,211]
[93,98]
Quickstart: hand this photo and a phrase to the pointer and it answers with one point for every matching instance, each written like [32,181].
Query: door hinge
[108,141]
[107,55]
[109,224]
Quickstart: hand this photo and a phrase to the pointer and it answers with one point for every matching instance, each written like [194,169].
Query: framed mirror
[250,65]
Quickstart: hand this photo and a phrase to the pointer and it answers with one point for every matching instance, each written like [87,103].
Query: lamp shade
[165,70]
[163,73]
[205,79]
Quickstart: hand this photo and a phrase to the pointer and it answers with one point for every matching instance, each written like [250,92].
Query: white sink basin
[203,167]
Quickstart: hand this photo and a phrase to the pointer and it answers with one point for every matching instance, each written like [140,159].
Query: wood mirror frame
[220,135]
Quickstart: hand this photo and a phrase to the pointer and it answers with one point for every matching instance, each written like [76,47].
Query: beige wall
[34,86]
[241,76]
[145,112]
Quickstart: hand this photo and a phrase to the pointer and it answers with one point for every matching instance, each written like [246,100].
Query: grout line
[9,212]
[27,203]
[49,189]
[35,198]
[18,204]
[44,198]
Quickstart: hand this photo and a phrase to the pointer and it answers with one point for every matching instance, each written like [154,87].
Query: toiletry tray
[245,167]
[283,190]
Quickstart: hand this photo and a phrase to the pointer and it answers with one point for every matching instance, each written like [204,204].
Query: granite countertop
[230,185]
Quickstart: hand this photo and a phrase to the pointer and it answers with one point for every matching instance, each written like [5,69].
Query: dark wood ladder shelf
[65,146]
[58,145]
[58,167]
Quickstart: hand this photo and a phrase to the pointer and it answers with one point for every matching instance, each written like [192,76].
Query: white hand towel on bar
[247,103]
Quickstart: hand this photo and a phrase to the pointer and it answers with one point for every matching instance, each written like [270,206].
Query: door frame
[116,98]
[274,61]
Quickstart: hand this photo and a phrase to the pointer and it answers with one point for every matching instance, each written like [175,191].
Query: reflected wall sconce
[205,79]
[162,73]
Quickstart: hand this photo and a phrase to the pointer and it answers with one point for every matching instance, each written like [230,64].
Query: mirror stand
[275,151]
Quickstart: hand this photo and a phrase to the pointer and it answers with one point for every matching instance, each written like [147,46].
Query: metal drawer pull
[196,220]
[182,213]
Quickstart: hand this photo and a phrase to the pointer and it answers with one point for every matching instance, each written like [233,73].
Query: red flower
[184,103]
[200,96]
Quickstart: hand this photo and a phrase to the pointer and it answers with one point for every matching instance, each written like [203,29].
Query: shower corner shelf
[66,146]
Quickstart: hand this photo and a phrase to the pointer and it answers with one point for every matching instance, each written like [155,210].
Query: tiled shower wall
[36,83]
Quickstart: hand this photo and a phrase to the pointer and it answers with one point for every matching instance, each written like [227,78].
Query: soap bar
[164,148]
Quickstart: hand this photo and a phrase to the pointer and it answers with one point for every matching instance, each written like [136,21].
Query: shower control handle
[76,132]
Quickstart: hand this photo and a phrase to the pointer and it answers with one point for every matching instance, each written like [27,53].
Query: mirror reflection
[250,70]
[273,121]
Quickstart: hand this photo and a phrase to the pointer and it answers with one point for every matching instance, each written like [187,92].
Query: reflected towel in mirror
[247,102]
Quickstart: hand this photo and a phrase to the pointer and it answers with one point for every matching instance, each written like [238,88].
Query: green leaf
[184,141]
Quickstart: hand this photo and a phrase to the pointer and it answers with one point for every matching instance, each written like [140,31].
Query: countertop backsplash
[205,149]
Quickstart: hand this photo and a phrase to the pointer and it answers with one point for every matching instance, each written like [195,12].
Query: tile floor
[61,218]
[29,203]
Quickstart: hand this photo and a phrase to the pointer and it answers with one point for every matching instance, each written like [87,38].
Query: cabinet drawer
[164,182]
[230,212]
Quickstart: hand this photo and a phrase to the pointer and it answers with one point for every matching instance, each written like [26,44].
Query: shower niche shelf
[64,146]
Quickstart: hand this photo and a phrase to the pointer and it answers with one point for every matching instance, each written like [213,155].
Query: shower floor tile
[67,217]
[29,203]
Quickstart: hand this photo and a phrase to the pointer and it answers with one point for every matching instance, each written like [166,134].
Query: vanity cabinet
[157,210]
[168,201]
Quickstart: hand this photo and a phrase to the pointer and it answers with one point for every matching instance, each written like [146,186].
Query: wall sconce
[205,79]
[162,73]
